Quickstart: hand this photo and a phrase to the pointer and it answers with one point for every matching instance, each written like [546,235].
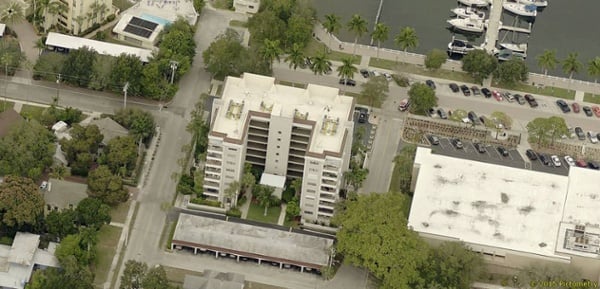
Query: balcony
[328,190]
[259,124]
[327,197]
[326,206]
[294,167]
[330,168]
[258,139]
[301,131]
[298,146]
[296,160]
[325,212]
[211,194]
[213,163]
[257,146]
[329,182]
[255,160]
[210,184]
[255,153]
[212,177]
[214,156]
[215,148]
[212,170]
[297,153]
[330,175]
[294,174]
[300,139]
[258,132]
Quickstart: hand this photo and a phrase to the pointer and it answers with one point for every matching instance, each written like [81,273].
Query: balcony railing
[256,153]
[329,182]
[296,160]
[257,146]
[330,175]
[258,139]
[259,124]
[213,162]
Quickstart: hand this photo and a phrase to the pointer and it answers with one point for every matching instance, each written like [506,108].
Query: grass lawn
[395,181]
[546,90]
[122,4]
[118,214]
[32,112]
[222,4]
[176,275]
[362,100]
[6,105]
[254,285]
[314,46]
[593,98]
[415,69]
[238,23]
[108,238]
[256,213]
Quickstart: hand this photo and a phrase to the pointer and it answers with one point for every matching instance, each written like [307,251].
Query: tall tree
[435,58]
[76,68]
[332,25]
[61,223]
[55,8]
[27,150]
[12,12]
[224,55]
[479,64]
[140,123]
[403,166]
[422,98]
[355,176]
[374,234]
[543,131]
[20,202]
[92,213]
[380,34]
[511,72]
[295,56]
[156,278]
[347,69]
[407,39]
[231,192]
[120,155]
[102,184]
[594,68]
[451,265]
[72,245]
[127,68]
[571,65]
[84,139]
[133,275]
[320,64]
[264,196]
[357,26]
[270,51]
[375,90]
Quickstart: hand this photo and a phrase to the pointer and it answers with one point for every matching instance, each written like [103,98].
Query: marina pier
[493,28]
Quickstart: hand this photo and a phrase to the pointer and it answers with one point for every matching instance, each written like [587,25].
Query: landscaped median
[591,98]
[540,90]
[420,70]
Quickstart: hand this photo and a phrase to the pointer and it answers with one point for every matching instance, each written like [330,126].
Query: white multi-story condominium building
[287,131]
[77,15]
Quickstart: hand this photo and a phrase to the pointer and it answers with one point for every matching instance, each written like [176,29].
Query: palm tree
[347,69]
[231,192]
[264,196]
[56,8]
[271,51]
[332,24]
[97,9]
[406,39]
[571,65]
[296,56]
[320,64]
[358,26]
[380,34]
[79,20]
[547,60]
[12,13]
[39,44]
[594,68]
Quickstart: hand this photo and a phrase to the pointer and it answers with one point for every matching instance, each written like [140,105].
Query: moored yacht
[506,55]
[467,24]
[520,9]
[477,3]
[538,3]
[468,12]
[461,46]
[519,48]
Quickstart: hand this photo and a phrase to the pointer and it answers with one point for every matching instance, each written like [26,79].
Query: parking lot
[368,131]
[491,155]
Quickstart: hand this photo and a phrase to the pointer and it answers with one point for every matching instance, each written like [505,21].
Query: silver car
[556,161]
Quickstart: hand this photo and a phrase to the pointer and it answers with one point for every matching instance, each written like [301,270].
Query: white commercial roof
[486,204]
[255,240]
[71,42]
[272,180]
[321,104]
[583,200]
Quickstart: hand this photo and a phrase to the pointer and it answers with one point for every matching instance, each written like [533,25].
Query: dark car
[457,143]
[475,90]
[486,92]
[587,110]
[503,151]
[465,90]
[593,165]
[431,112]
[531,155]
[480,148]
[520,99]
[563,105]
[364,73]
[531,100]
[545,159]
[473,117]
[442,113]
[434,140]
[454,87]
[347,81]
[430,83]
[580,134]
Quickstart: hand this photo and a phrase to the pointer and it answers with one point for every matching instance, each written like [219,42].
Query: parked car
[475,90]
[508,96]
[531,154]
[496,94]
[520,99]
[579,133]
[596,110]
[457,143]
[430,83]
[486,92]
[364,73]
[576,107]
[480,148]
[442,113]
[587,110]
[581,163]
[434,140]
[454,87]
[593,165]
[563,105]
[598,136]
[503,151]
[473,117]
[569,161]
[347,81]
[556,161]
[465,90]
[531,100]
[431,112]
[483,119]
[362,117]
[404,104]
[44,186]
[545,159]
[593,137]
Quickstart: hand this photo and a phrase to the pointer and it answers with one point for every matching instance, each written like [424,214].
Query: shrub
[185,185]
[401,80]
[241,201]
[288,194]
[110,17]
[201,201]
[234,212]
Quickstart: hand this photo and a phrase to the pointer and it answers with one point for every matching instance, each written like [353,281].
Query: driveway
[27,39]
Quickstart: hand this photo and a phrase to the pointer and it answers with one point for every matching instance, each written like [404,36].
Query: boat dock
[491,35]
[516,29]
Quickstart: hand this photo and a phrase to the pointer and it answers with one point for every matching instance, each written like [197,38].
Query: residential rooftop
[165,10]
[109,128]
[105,48]
[321,104]
[17,261]
[64,194]
[252,239]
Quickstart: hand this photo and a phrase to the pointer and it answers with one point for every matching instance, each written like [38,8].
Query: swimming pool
[155,19]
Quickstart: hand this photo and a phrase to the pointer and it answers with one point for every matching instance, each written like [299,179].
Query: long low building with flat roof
[514,217]
[246,241]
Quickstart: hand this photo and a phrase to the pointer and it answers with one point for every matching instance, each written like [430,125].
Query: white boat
[468,12]
[506,55]
[538,3]
[520,48]
[461,46]
[520,9]
[467,24]
[477,3]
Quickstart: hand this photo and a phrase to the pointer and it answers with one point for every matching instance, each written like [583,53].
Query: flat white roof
[487,204]
[2,29]
[252,239]
[17,261]
[23,248]
[272,180]
[71,42]
[167,9]
[583,199]
[124,21]
[321,104]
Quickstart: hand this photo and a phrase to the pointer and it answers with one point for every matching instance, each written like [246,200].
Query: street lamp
[174,65]
[55,102]
[125,88]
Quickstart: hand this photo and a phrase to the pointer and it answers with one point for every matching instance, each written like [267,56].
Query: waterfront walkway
[493,28]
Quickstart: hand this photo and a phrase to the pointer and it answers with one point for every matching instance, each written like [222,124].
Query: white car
[593,137]
[556,161]
[388,76]
[44,186]
[570,161]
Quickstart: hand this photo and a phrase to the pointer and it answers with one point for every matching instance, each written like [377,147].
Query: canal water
[564,26]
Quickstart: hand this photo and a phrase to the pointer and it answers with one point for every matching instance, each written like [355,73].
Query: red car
[497,95]
[581,163]
[576,107]
[596,110]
